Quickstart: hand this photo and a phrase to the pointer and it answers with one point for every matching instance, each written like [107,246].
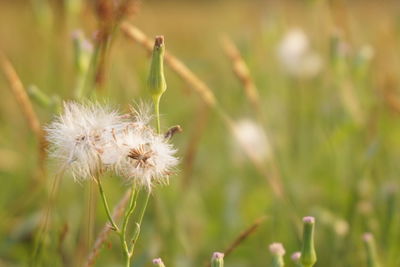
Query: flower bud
[156,82]
[158,262]
[308,255]
[277,252]
[217,259]
[296,258]
[82,51]
[370,249]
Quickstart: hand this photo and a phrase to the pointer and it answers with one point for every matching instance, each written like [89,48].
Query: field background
[335,137]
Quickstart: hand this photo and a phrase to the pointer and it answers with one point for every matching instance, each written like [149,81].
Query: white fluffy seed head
[145,157]
[79,135]
[253,138]
[88,139]
[296,56]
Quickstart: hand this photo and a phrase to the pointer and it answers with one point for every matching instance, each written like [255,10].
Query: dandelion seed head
[253,138]
[296,56]
[90,138]
[80,136]
[146,157]
[141,114]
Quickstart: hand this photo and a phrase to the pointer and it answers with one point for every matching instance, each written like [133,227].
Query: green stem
[156,101]
[105,203]
[128,213]
[139,222]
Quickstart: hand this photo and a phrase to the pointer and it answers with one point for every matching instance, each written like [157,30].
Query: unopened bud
[370,249]
[296,258]
[82,51]
[157,84]
[277,252]
[308,255]
[217,259]
[158,262]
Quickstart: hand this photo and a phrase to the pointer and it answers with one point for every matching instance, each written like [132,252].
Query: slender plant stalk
[127,251]
[128,213]
[105,203]
[139,223]
[156,101]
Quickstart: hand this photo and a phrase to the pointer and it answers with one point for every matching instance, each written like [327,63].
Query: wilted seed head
[158,262]
[146,157]
[80,137]
[88,139]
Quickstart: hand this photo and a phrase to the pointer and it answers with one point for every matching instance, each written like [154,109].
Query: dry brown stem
[242,237]
[242,72]
[20,95]
[25,104]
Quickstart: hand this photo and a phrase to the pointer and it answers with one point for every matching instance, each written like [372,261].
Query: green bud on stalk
[277,252]
[296,258]
[156,81]
[83,51]
[157,84]
[308,255]
[217,259]
[370,249]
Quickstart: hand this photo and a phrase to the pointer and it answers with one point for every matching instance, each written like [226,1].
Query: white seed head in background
[296,56]
[367,52]
[251,137]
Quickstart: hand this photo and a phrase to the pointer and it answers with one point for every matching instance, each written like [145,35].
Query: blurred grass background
[335,136]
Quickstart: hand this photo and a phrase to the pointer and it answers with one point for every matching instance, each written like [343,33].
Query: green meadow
[287,108]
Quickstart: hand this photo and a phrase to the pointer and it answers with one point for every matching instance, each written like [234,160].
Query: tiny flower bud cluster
[90,139]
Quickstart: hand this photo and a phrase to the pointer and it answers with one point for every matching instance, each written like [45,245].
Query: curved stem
[128,213]
[105,203]
[139,223]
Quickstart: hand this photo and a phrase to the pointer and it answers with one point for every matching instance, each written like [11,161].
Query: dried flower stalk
[242,72]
